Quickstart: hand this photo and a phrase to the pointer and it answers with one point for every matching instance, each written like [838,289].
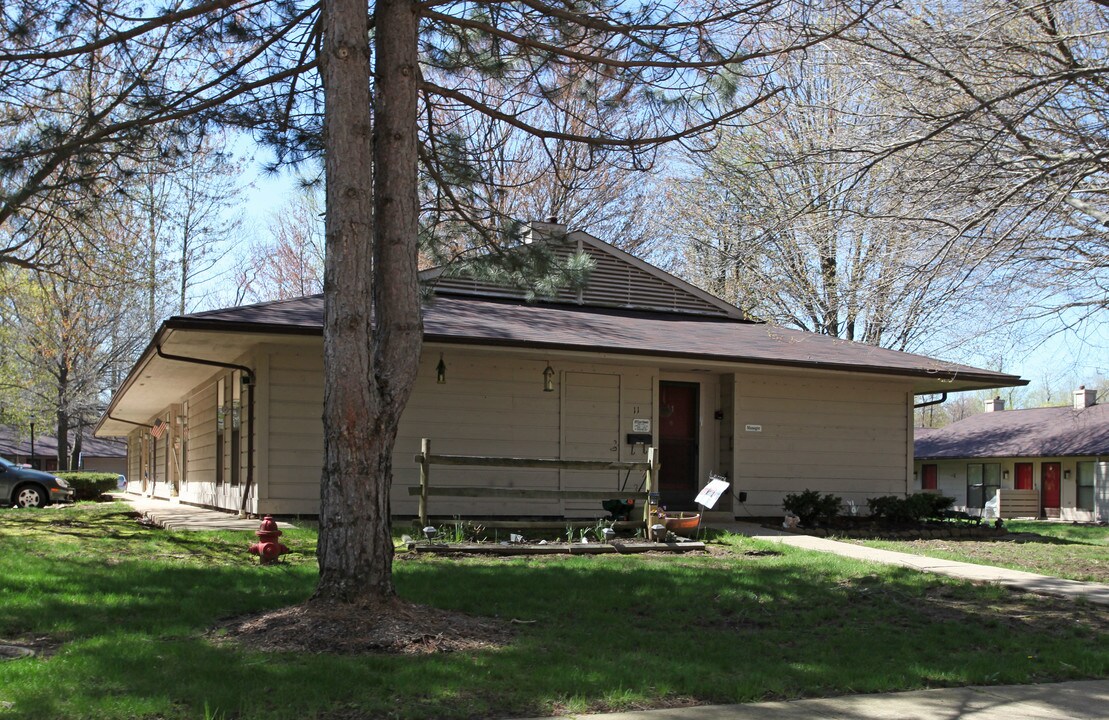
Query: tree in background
[774,218]
[513,175]
[182,204]
[289,264]
[1000,115]
[69,329]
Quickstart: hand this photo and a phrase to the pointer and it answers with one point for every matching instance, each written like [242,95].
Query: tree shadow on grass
[598,633]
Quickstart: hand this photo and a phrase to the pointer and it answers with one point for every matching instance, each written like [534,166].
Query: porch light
[441,371]
[1004,474]
[1066,474]
[548,379]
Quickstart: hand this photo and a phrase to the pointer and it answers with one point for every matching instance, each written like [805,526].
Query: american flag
[159,428]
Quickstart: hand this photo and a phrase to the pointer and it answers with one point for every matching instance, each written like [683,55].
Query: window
[1085,483]
[220,423]
[236,429]
[983,482]
[185,442]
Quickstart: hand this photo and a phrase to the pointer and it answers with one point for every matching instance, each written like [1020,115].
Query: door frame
[708,401]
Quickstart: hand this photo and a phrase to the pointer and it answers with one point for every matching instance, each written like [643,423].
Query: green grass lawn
[1076,552]
[123,610]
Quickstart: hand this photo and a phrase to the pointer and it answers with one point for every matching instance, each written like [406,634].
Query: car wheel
[30,496]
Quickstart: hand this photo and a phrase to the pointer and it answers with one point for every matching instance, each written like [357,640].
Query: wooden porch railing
[1018,503]
[426,459]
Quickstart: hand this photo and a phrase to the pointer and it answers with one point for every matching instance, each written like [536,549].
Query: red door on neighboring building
[1024,476]
[929,477]
[678,446]
[1050,485]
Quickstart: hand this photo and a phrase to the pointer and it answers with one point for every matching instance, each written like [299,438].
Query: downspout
[943,398]
[247,373]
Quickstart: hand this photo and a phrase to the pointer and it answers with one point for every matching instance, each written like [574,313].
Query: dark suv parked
[24,487]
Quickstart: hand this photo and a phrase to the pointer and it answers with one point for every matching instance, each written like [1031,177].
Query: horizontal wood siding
[295,427]
[201,465]
[490,405]
[726,438]
[844,436]
[590,431]
[1019,503]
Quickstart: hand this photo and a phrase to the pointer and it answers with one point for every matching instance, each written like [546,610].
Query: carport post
[425,471]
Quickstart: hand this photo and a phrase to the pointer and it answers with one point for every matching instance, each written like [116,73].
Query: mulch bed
[348,629]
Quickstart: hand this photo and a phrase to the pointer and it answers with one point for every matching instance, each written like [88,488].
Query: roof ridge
[264,303]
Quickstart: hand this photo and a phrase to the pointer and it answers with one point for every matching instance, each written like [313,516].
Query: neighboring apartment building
[1062,453]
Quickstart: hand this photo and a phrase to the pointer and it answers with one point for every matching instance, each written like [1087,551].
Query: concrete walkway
[179,516]
[1030,582]
[1080,700]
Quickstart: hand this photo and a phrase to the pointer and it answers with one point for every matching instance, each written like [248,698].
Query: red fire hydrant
[268,547]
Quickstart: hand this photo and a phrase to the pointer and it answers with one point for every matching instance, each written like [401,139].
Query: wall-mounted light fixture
[441,371]
[548,379]
[1004,474]
[1066,474]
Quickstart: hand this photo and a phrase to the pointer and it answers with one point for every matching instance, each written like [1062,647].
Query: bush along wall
[90,485]
[812,508]
[912,509]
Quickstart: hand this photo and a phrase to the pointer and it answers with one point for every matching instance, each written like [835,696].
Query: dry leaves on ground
[345,629]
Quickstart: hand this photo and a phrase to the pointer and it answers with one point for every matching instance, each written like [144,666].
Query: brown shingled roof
[16,441]
[611,330]
[1038,432]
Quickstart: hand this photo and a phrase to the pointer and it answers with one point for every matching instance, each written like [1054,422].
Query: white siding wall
[292,403]
[848,437]
[494,404]
[952,480]
[201,464]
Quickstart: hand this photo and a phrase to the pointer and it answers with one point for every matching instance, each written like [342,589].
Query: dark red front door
[929,479]
[1050,483]
[1024,476]
[677,437]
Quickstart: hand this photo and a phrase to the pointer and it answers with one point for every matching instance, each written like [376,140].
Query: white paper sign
[641,425]
[712,492]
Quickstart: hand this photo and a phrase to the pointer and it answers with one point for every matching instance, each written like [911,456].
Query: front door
[1024,476]
[929,478]
[1050,484]
[679,412]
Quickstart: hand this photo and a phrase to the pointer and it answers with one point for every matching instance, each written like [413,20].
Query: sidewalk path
[1030,582]
[1079,700]
[179,516]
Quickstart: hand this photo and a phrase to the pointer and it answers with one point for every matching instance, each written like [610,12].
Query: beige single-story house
[1060,453]
[224,408]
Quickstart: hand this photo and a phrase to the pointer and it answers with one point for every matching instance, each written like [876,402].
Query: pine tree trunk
[371,262]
